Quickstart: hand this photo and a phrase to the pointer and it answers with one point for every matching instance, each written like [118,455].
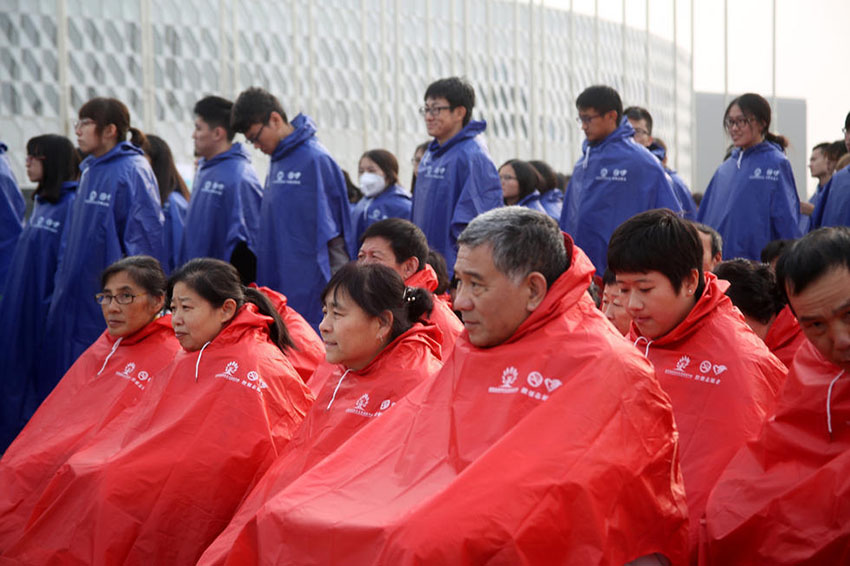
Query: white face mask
[372,184]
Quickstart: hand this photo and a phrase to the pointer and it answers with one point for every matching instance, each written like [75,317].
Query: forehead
[376,244]
[438,101]
[640,277]
[367,162]
[120,280]
[735,110]
[829,292]
[477,260]
[639,123]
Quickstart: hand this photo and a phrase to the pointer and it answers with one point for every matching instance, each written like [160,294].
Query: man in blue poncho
[223,221]
[12,209]
[615,179]
[305,227]
[833,208]
[457,180]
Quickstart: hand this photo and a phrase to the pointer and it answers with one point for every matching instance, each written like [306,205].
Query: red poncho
[783,499]
[337,414]
[309,349]
[785,336]
[442,315]
[723,382]
[110,376]
[160,488]
[557,443]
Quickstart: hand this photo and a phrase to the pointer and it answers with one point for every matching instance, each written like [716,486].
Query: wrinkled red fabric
[309,349]
[783,499]
[348,401]
[723,383]
[442,315]
[160,488]
[558,442]
[104,381]
[785,336]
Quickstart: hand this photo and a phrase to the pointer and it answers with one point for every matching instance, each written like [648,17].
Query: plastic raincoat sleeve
[785,206]
[138,214]
[833,208]
[480,191]
[689,207]
[12,208]
[175,219]
[250,200]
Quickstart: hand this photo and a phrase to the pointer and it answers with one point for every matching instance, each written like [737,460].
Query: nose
[462,301]
[325,324]
[634,304]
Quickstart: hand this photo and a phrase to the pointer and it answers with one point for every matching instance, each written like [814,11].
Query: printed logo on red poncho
[139,380]
[536,385]
[251,380]
[708,371]
[509,377]
[361,407]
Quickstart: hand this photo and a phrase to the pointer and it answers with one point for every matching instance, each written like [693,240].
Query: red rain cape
[783,499]
[442,315]
[723,382]
[558,442]
[338,413]
[309,349]
[785,336]
[110,376]
[160,488]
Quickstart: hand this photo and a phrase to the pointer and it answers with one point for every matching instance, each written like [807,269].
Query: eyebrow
[837,310]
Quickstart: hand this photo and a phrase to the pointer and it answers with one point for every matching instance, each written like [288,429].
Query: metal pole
[725,52]
[62,46]
[532,83]
[396,85]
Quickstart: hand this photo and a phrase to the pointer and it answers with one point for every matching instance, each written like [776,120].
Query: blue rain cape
[806,220]
[553,202]
[12,209]
[833,208]
[455,182]
[305,205]
[393,202]
[225,207]
[532,201]
[680,189]
[23,309]
[615,179]
[174,212]
[752,200]
[116,214]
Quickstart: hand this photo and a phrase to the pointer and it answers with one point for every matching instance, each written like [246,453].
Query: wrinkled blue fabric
[116,214]
[23,308]
[305,205]
[12,209]
[174,213]
[532,201]
[553,202]
[225,207]
[833,209]
[680,189]
[806,219]
[615,179]
[752,200]
[393,202]
[455,182]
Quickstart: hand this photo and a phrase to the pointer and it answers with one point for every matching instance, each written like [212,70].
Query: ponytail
[277,329]
[139,139]
[418,303]
[781,141]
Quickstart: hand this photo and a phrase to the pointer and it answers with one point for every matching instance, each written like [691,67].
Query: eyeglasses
[736,122]
[120,298]
[79,124]
[507,177]
[585,120]
[641,131]
[256,137]
[432,110]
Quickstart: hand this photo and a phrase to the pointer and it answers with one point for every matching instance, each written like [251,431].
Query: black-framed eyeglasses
[120,298]
[256,137]
[736,122]
[432,110]
[585,120]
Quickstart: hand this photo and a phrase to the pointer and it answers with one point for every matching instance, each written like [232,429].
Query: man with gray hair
[545,438]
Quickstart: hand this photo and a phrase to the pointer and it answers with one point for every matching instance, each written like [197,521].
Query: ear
[460,112]
[110,131]
[227,311]
[537,287]
[691,282]
[219,133]
[385,325]
[276,120]
[410,266]
[158,303]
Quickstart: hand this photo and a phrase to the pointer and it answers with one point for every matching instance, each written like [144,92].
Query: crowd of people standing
[495,364]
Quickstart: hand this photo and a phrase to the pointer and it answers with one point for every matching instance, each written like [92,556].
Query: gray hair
[523,241]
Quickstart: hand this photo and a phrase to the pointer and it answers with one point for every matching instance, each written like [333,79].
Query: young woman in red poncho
[378,348]
[721,378]
[158,487]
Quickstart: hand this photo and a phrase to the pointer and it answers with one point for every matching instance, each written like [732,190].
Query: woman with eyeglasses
[173,195]
[52,162]
[752,198]
[161,483]
[117,214]
[111,376]
[520,182]
[383,197]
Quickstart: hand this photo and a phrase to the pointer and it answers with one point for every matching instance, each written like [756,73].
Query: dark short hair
[457,91]
[847,121]
[60,162]
[837,149]
[105,111]
[164,169]
[608,277]
[752,288]
[254,106]
[657,240]
[387,162]
[774,249]
[823,147]
[406,239]
[527,177]
[376,289]
[215,111]
[716,238]
[755,106]
[639,113]
[216,281]
[438,263]
[145,271]
[601,98]
[547,174]
[811,257]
